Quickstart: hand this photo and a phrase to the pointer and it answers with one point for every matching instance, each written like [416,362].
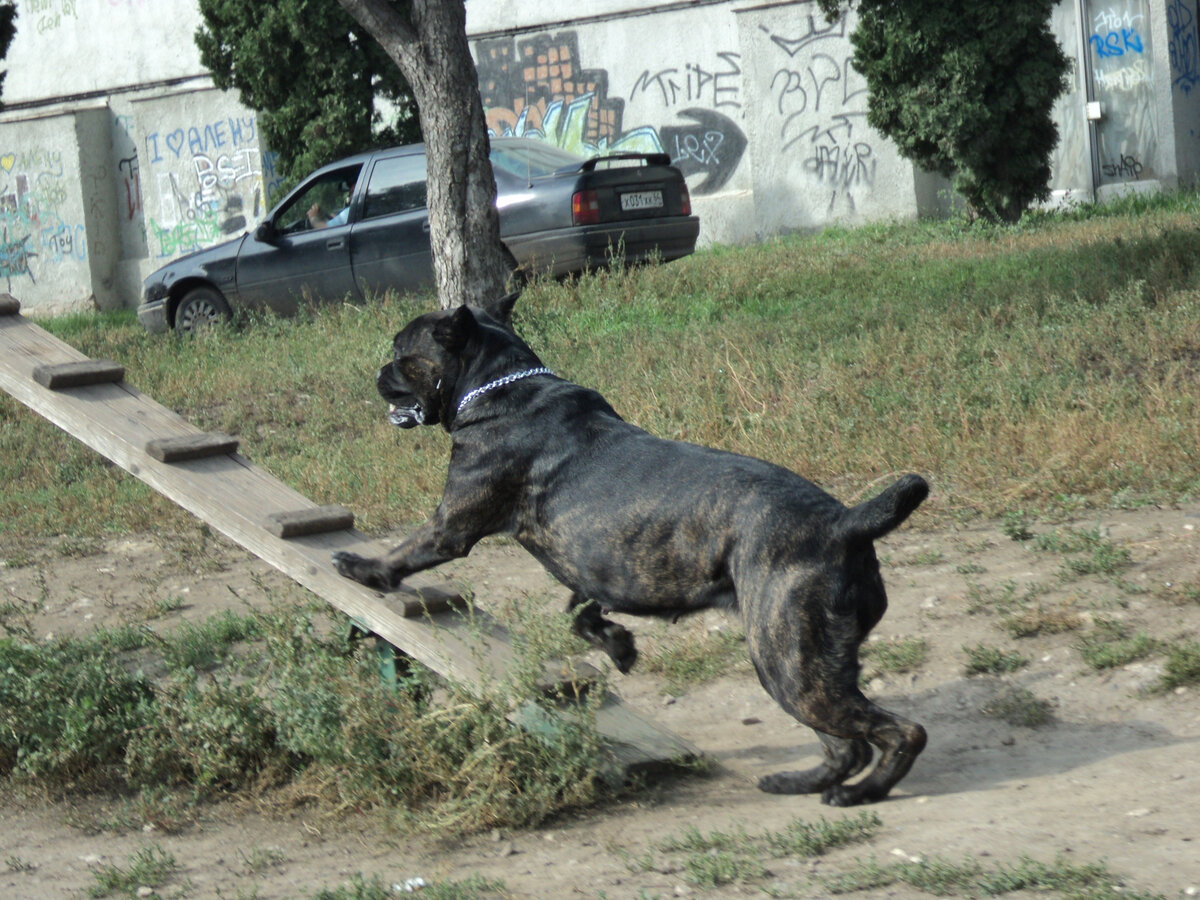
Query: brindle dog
[632,523]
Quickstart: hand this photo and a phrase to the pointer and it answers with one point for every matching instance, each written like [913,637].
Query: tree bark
[430,48]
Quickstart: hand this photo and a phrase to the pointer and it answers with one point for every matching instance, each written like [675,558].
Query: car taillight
[585,208]
[686,200]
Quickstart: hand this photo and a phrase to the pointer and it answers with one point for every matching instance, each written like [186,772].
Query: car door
[303,253]
[389,241]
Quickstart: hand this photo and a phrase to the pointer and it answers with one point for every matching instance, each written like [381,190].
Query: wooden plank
[314,520]
[426,618]
[191,446]
[61,376]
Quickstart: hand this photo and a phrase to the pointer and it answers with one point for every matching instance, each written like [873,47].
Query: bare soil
[1112,778]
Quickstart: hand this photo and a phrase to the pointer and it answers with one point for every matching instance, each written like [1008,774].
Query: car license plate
[641,200]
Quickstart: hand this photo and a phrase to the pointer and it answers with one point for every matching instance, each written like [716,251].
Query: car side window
[320,203]
[397,185]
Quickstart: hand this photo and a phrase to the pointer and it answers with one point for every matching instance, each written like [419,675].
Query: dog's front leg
[431,544]
[613,639]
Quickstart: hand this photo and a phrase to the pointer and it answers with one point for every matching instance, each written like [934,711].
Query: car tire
[200,308]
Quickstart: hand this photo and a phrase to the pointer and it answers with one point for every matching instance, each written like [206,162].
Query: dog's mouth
[406,416]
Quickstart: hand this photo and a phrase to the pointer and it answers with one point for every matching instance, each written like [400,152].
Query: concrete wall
[55,203]
[64,48]
[115,160]
[1182,38]
[756,103]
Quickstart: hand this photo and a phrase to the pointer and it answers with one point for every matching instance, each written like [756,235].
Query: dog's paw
[618,644]
[361,569]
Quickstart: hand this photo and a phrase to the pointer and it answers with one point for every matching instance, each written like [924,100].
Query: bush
[965,90]
[67,709]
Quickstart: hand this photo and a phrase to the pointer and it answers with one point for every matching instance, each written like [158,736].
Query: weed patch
[688,664]
[944,878]
[736,857]
[1019,706]
[894,656]
[1182,666]
[297,711]
[986,660]
[148,868]
[1110,646]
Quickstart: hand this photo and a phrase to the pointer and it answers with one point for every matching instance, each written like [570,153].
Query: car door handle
[425,226]
[335,243]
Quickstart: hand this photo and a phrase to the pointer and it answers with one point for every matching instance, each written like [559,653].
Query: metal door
[1121,82]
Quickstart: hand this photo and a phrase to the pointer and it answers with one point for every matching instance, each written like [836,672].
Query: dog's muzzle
[406,416]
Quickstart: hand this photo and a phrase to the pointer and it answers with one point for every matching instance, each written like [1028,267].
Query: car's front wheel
[199,308]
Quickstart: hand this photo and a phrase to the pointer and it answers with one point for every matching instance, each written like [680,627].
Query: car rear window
[531,159]
[397,185]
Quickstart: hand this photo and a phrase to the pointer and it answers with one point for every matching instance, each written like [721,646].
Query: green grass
[375,888]
[277,702]
[1110,645]
[894,656]
[1048,366]
[1088,552]
[715,858]
[1019,706]
[1182,665]
[945,878]
[688,664]
[986,660]
[149,867]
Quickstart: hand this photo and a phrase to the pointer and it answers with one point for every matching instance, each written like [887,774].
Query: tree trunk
[431,50]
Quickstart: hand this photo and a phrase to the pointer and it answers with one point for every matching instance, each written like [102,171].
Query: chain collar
[498,383]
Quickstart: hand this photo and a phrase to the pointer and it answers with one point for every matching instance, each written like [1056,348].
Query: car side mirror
[265,232]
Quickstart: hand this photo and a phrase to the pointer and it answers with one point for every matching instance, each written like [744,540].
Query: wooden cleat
[59,376]
[191,446]
[314,520]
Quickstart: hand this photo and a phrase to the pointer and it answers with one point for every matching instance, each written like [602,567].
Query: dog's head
[437,355]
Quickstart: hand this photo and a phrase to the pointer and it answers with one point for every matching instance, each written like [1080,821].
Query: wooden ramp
[204,473]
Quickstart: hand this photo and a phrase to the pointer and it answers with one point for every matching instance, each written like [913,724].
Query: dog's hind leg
[844,758]
[900,742]
[861,724]
[613,639]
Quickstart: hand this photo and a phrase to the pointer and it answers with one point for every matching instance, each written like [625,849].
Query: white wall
[69,47]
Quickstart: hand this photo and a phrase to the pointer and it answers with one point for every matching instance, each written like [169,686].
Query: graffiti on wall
[34,235]
[536,86]
[208,183]
[1184,47]
[1122,73]
[49,15]
[820,103]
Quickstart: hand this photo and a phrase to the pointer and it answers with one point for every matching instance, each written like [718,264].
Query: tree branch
[379,17]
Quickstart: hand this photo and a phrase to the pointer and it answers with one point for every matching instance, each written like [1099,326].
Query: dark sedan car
[360,226]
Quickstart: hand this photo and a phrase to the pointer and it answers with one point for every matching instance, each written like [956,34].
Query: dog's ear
[452,331]
[501,310]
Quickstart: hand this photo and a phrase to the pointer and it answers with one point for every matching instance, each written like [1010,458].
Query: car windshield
[531,159]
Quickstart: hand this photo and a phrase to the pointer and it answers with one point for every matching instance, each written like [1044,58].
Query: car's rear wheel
[200,308]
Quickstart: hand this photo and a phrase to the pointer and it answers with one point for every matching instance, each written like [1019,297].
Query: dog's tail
[879,515]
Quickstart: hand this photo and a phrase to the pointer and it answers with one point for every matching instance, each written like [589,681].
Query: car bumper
[566,250]
[153,315]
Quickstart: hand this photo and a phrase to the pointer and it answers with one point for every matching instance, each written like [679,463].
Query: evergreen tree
[312,76]
[965,88]
[8,30]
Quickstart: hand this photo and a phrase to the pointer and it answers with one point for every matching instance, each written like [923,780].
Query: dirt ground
[1112,778]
